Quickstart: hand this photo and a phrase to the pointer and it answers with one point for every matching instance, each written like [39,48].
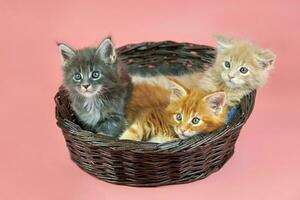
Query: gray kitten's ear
[106,51]
[177,90]
[66,53]
[223,42]
[216,101]
[265,58]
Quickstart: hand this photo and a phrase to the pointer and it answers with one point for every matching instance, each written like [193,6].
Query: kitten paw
[130,134]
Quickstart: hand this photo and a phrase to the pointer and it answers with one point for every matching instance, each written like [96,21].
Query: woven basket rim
[143,147]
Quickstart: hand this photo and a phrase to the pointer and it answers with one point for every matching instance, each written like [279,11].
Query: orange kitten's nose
[183,131]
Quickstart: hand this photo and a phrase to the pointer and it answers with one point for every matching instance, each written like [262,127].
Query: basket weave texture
[149,164]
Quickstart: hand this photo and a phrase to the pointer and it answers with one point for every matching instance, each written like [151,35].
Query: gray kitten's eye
[227,64]
[77,77]
[178,117]
[195,120]
[95,74]
[243,70]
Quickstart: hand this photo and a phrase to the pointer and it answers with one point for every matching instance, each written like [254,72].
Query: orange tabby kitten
[240,68]
[157,114]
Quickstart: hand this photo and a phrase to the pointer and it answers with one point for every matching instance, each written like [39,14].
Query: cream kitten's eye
[226,64]
[195,120]
[244,70]
[178,117]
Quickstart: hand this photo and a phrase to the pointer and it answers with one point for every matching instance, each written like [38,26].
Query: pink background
[35,162]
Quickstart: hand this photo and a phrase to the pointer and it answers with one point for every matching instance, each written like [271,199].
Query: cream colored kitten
[240,68]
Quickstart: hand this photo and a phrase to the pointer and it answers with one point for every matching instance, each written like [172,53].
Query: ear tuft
[177,89]
[223,42]
[216,101]
[106,51]
[66,53]
[265,58]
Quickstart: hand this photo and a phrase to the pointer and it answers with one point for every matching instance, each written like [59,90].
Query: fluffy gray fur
[98,87]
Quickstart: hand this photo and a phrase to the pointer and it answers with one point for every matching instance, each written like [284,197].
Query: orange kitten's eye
[195,120]
[226,64]
[178,117]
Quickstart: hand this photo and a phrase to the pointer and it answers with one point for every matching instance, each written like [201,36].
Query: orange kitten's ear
[177,90]
[216,101]
[223,42]
[265,58]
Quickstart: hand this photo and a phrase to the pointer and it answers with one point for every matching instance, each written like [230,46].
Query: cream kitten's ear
[177,90]
[216,101]
[265,58]
[106,51]
[223,42]
[66,53]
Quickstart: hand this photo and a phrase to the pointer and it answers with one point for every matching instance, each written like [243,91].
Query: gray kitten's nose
[86,86]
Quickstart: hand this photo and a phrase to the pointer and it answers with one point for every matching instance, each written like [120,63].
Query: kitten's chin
[231,84]
[184,136]
[88,94]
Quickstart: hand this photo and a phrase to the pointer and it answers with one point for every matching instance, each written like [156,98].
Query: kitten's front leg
[112,126]
[134,132]
[161,139]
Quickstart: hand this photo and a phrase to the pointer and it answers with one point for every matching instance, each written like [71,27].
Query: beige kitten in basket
[240,68]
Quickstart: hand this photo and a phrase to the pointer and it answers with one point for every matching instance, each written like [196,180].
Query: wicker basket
[148,164]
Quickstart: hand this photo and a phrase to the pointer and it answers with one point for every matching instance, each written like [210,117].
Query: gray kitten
[98,87]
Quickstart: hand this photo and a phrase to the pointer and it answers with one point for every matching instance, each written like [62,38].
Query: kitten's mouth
[230,83]
[87,93]
[183,136]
